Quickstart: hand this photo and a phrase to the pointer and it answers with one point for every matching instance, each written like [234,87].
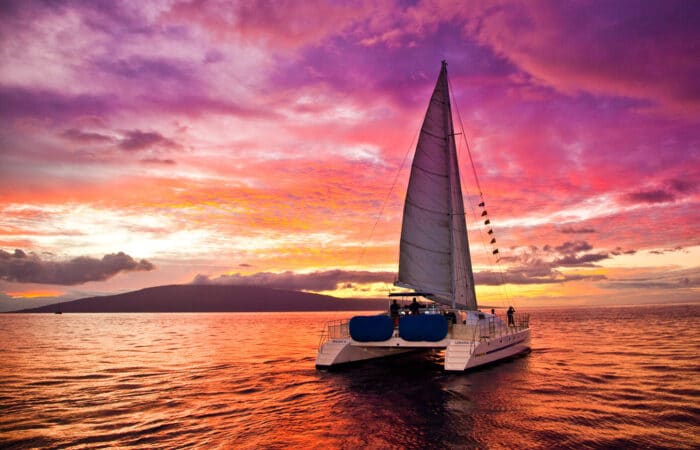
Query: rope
[500,269]
[386,200]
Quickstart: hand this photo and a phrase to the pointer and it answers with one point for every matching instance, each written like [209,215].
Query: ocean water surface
[596,378]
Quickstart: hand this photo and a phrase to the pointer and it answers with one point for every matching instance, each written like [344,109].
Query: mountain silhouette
[210,298]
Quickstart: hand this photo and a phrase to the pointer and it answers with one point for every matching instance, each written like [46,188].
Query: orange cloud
[35,293]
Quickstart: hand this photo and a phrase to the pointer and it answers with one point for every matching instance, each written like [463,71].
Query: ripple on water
[597,378]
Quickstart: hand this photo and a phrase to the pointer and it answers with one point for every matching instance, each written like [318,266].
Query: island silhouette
[210,298]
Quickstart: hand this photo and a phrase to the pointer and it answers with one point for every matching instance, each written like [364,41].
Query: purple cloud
[674,279]
[573,230]
[682,186]
[157,161]
[86,137]
[618,48]
[31,268]
[136,140]
[316,281]
[618,251]
[651,196]
[667,250]
[522,276]
[586,260]
[17,102]
[573,247]
[160,70]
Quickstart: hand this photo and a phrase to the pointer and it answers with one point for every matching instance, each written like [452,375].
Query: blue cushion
[425,327]
[371,328]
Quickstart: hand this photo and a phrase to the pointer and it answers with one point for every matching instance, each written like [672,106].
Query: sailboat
[435,264]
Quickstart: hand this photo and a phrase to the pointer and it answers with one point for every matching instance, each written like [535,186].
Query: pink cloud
[286,24]
[288,119]
[638,49]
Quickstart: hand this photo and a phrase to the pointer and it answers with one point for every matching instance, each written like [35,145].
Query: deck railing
[487,328]
[465,332]
[335,329]
[522,321]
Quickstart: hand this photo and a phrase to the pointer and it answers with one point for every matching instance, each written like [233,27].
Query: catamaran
[434,263]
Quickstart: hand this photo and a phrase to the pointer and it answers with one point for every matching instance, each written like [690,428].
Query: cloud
[615,49]
[159,69]
[568,253]
[533,272]
[326,280]
[618,251]
[533,266]
[158,161]
[650,196]
[670,191]
[583,260]
[295,117]
[31,268]
[667,250]
[673,279]
[572,230]
[573,247]
[17,102]
[682,186]
[86,137]
[524,276]
[285,25]
[136,140]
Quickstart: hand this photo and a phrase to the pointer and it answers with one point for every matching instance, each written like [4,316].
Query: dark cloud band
[31,268]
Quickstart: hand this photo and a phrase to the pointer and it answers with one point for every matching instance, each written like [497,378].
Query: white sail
[434,252]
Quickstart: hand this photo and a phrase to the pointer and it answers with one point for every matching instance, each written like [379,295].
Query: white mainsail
[434,252]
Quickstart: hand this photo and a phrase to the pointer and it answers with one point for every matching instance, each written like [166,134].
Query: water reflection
[596,377]
[410,402]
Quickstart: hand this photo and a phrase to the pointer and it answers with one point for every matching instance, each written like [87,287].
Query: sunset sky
[269,142]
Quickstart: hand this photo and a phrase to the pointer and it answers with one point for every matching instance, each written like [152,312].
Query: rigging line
[464,136]
[386,200]
[500,270]
[466,189]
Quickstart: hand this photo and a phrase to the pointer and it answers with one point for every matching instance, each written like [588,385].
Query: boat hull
[336,352]
[460,355]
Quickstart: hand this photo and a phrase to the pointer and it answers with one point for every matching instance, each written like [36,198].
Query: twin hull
[461,352]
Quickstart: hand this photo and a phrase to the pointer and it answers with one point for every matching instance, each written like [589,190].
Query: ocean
[597,377]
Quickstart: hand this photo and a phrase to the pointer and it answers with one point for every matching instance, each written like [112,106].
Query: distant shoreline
[9,313]
[209,299]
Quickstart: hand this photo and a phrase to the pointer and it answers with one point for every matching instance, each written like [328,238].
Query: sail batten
[434,250]
[444,252]
[429,172]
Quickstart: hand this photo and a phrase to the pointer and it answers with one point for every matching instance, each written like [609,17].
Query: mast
[462,274]
[450,139]
[434,252]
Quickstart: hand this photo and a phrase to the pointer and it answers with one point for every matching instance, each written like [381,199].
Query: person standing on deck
[394,312]
[510,312]
[414,307]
